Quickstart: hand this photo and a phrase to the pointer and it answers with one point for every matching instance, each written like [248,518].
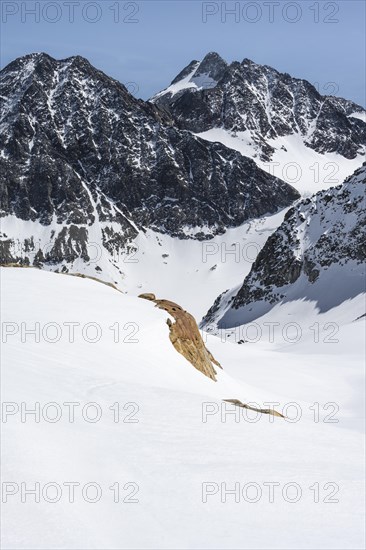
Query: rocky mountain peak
[266,107]
[248,63]
[186,71]
[81,156]
[212,66]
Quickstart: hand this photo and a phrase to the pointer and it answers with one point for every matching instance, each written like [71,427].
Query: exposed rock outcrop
[186,338]
[238,403]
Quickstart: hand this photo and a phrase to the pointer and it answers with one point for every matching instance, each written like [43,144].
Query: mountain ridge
[318,253]
[270,116]
[77,149]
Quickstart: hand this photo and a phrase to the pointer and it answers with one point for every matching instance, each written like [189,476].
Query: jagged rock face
[78,150]
[326,230]
[185,336]
[248,97]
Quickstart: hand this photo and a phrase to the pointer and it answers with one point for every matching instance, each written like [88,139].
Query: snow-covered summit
[272,117]
[198,75]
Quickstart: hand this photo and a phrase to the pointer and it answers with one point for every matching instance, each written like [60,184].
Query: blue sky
[146,43]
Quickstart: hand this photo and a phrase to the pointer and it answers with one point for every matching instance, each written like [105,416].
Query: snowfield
[168,463]
[300,166]
[191,272]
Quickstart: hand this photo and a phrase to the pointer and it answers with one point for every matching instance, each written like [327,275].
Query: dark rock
[79,151]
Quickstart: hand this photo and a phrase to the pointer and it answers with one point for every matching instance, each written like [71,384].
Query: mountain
[270,116]
[317,254]
[78,150]
[115,409]
[85,159]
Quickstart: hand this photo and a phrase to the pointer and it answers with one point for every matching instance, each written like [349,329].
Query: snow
[203,81]
[300,166]
[199,82]
[360,115]
[194,272]
[180,85]
[187,275]
[170,452]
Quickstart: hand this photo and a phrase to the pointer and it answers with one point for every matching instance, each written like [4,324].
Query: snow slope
[300,166]
[170,452]
[190,272]
[182,84]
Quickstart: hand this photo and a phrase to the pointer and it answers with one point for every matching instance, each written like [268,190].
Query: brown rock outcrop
[187,340]
[238,403]
[185,336]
